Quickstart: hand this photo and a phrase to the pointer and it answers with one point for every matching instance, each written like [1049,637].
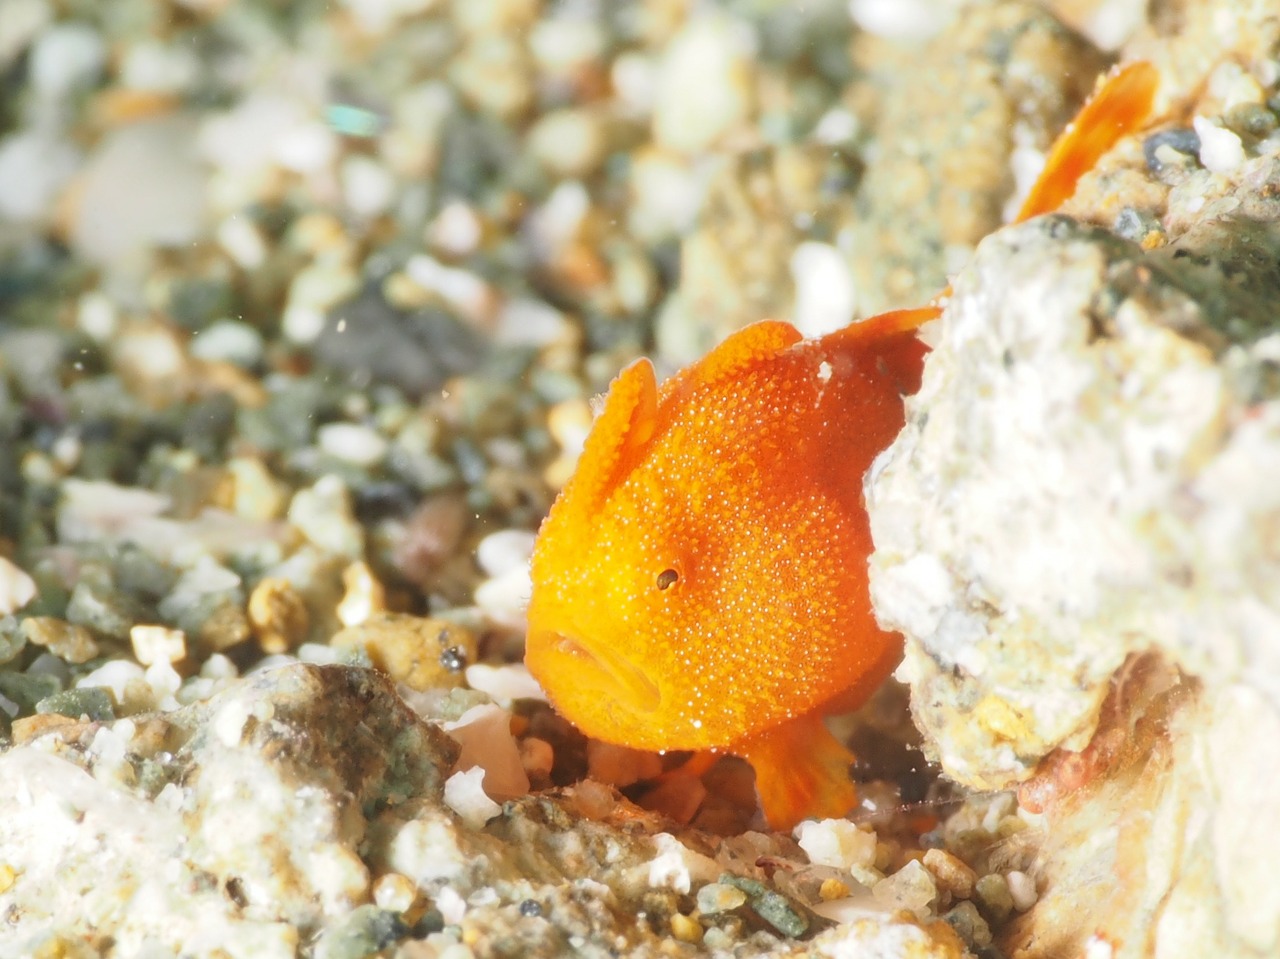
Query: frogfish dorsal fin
[618,436]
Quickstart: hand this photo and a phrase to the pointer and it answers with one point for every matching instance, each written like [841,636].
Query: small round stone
[992,891]
[68,641]
[154,644]
[685,929]
[394,892]
[531,908]
[364,596]
[278,615]
[951,873]
[720,898]
[832,889]
[1022,888]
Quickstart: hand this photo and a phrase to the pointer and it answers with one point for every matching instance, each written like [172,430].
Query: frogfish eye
[667,578]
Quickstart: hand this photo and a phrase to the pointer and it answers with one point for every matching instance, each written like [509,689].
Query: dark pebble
[366,931]
[26,691]
[370,341]
[1184,141]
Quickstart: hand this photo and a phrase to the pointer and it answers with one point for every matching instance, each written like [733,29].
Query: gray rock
[371,341]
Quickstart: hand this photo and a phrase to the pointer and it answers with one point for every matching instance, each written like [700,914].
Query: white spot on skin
[824,371]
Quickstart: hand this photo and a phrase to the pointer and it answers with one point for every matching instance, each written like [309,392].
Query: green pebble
[992,891]
[774,908]
[26,690]
[137,572]
[969,925]
[103,609]
[1251,119]
[777,911]
[12,639]
[750,886]
[92,701]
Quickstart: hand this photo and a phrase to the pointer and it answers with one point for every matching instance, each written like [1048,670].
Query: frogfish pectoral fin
[802,771]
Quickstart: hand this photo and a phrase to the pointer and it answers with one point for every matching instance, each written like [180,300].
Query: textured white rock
[150,897]
[1078,481]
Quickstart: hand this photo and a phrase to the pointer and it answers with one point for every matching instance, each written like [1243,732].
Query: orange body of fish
[701,581]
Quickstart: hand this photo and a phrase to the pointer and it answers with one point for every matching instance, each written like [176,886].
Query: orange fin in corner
[1119,107]
[802,772]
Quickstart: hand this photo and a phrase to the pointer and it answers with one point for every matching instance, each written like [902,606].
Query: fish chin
[570,667]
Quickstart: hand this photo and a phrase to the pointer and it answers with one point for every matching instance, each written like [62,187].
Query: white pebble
[159,67]
[825,295]
[241,239]
[836,842]
[634,78]
[565,43]
[1023,890]
[34,167]
[66,57]
[504,598]
[394,892]
[504,683]
[569,142]
[464,794]
[157,644]
[704,86]
[115,676]
[838,125]
[666,194]
[353,443]
[457,229]
[368,187]
[16,588]
[228,341]
[323,513]
[164,682]
[96,314]
[505,550]
[318,654]
[229,724]
[307,147]
[901,19]
[452,907]
[143,186]
[378,16]
[302,324]
[466,291]
[109,746]
[219,666]
[1221,151]
[560,217]
[677,867]
[528,322]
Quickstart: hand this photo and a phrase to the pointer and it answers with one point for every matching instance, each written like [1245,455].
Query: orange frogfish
[701,581]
